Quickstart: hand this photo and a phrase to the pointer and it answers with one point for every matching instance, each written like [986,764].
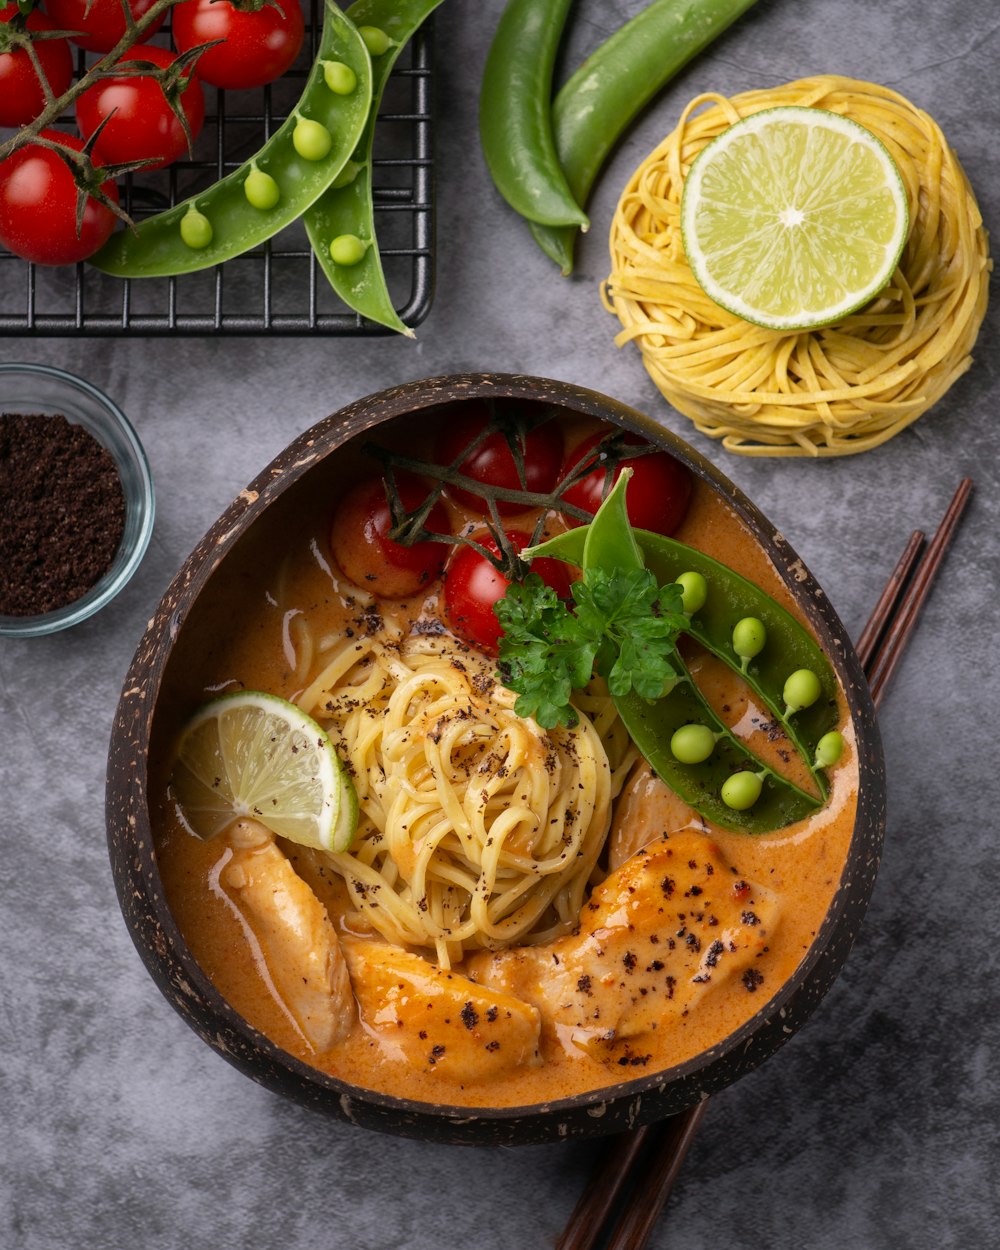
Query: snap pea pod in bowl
[341,222]
[785,648]
[271,189]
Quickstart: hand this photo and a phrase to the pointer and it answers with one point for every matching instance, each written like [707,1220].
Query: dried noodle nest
[828,392]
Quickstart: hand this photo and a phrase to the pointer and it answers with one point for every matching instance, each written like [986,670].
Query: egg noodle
[828,392]
[478,828]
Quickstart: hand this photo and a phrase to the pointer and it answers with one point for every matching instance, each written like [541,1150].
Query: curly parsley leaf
[624,627]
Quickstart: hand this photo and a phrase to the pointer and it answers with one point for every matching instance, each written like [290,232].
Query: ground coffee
[62,512]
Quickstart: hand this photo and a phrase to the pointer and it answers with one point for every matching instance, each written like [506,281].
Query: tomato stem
[57,105]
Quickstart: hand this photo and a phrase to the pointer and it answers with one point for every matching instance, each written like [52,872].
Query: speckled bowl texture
[173,967]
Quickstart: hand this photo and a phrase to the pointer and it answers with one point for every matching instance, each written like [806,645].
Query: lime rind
[253,754]
[794,217]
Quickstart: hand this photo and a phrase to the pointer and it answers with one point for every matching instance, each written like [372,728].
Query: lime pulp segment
[793,217]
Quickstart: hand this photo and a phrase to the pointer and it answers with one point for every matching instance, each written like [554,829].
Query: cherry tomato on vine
[262,39]
[38,198]
[492,462]
[141,124]
[658,493]
[472,585]
[21,95]
[101,23]
[364,553]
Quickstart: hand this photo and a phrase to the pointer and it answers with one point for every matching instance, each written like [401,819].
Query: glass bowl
[30,388]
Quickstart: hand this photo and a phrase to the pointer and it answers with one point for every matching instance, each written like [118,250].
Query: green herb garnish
[622,625]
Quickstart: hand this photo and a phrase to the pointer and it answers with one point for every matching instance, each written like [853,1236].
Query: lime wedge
[250,754]
[793,217]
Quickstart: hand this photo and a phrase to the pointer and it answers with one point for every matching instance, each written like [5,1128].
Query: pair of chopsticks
[634,1178]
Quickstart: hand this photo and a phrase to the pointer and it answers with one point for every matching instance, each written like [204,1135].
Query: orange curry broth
[802,863]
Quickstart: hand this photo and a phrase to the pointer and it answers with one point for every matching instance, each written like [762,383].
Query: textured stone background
[877,1125]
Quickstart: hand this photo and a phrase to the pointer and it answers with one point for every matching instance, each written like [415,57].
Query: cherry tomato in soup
[261,40]
[473,584]
[659,490]
[140,125]
[22,97]
[38,206]
[364,553]
[493,461]
[101,23]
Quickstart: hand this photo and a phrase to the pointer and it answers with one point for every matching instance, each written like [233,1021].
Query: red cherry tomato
[369,558]
[472,585]
[659,490]
[260,44]
[101,23]
[38,197]
[492,462]
[21,95]
[141,124]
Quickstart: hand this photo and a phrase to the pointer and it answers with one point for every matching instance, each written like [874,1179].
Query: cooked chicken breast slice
[646,811]
[298,943]
[437,1020]
[662,931]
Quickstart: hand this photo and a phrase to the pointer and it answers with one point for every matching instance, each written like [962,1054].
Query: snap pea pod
[788,646]
[344,215]
[598,103]
[515,117]
[609,542]
[251,204]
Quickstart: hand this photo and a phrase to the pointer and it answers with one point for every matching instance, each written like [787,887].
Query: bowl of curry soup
[596,852]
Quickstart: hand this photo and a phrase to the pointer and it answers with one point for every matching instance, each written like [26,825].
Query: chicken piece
[439,1021]
[298,943]
[646,811]
[669,926]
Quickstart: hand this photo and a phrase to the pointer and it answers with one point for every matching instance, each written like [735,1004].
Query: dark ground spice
[62,512]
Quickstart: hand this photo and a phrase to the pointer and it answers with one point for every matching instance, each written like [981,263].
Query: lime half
[250,754]
[793,217]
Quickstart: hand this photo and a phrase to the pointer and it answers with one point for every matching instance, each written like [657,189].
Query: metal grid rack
[274,289]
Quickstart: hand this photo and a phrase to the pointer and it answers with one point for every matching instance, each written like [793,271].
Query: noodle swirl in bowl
[478,828]
[832,391]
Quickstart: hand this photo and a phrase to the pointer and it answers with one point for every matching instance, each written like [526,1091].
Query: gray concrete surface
[876,1127]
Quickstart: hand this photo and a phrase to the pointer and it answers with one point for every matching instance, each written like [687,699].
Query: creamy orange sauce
[253,646]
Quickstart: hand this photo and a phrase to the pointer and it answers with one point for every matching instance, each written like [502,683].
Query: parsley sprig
[622,626]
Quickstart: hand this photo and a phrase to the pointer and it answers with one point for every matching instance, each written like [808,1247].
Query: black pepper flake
[713,953]
[62,515]
[492,1046]
[629,960]
[470,1017]
[751,979]
[667,886]
[584,985]
[750,918]
[491,1014]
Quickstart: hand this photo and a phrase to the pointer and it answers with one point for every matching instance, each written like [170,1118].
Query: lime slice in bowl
[251,754]
[793,217]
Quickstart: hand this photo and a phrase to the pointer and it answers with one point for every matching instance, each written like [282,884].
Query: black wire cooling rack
[274,289]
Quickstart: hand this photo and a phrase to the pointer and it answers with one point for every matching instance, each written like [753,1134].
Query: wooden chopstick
[885,609]
[882,667]
[642,1165]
